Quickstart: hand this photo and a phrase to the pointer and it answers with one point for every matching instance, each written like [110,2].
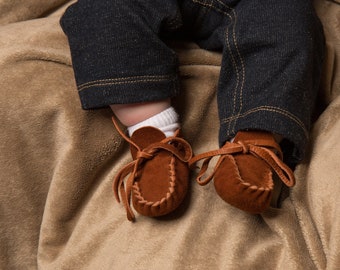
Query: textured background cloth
[57,163]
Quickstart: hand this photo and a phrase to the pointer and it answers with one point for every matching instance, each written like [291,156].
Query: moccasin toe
[161,185]
[243,175]
[156,181]
[245,182]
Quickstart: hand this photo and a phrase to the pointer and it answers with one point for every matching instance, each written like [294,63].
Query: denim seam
[238,90]
[270,109]
[126,80]
[242,68]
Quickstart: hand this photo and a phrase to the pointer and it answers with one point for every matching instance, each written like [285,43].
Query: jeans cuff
[273,120]
[102,93]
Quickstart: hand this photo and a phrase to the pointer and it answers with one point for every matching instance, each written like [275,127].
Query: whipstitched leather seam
[270,109]
[126,80]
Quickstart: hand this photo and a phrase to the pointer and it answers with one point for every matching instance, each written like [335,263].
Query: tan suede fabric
[157,179]
[57,163]
[245,180]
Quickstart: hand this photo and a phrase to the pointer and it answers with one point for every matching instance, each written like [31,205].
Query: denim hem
[273,120]
[102,93]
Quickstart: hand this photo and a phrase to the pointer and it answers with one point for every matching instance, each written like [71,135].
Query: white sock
[166,121]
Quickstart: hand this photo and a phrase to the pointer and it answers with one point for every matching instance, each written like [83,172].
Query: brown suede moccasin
[243,175]
[157,178]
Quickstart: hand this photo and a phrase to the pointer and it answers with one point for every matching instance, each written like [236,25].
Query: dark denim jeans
[271,65]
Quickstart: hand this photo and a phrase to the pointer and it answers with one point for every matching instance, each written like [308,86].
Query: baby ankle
[166,121]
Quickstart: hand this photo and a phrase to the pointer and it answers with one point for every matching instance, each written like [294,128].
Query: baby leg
[120,60]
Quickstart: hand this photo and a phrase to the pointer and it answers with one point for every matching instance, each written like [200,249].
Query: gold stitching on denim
[241,60]
[211,5]
[233,20]
[270,109]
[237,75]
[122,80]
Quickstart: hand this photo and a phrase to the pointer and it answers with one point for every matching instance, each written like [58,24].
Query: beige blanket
[57,163]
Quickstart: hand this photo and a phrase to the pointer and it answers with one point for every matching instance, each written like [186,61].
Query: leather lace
[258,149]
[123,188]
